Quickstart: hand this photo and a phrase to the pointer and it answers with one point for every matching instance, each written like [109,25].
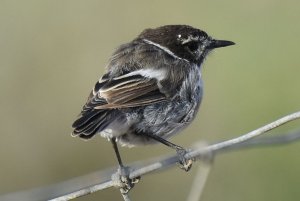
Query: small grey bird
[151,90]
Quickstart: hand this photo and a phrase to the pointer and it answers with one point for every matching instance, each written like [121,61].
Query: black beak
[219,43]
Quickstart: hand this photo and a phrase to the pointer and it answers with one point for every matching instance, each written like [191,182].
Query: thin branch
[199,181]
[125,196]
[214,148]
[85,191]
[269,141]
[139,169]
[228,143]
[64,188]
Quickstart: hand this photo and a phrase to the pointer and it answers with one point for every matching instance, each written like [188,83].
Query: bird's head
[183,41]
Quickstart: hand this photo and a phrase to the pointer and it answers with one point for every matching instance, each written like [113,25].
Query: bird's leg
[127,183]
[185,164]
[115,146]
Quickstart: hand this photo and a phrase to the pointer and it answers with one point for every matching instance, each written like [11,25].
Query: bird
[151,90]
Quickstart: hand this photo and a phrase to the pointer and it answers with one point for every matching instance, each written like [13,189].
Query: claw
[123,181]
[185,164]
[127,185]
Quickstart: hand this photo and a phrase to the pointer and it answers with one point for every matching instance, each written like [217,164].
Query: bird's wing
[138,88]
[129,90]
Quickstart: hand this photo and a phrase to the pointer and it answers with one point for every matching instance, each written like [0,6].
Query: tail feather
[92,122]
[85,118]
[89,123]
[93,130]
[90,127]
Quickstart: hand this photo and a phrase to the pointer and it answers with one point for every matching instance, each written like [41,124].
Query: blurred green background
[52,52]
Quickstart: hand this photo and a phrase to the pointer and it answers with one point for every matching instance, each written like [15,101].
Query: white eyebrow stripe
[164,49]
[190,38]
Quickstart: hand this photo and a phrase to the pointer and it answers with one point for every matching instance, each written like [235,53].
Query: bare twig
[199,153]
[199,181]
[228,143]
[269,141]
[214,148]
[125,196]
[85,191]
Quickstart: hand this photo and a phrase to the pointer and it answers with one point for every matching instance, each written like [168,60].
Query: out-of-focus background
[52,53]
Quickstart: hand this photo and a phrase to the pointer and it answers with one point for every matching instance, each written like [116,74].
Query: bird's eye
[193,46]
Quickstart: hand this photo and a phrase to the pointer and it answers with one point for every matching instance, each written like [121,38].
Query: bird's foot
[184,163]
[123,181]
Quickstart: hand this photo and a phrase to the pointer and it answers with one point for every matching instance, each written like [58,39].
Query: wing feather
[110,94]
[127,91]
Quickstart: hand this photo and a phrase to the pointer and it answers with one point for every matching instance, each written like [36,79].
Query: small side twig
[125,196]
[199,181]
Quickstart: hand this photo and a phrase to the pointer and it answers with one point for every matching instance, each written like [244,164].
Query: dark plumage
[152,87]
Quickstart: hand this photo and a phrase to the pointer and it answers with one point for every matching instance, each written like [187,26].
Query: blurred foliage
[52,52]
